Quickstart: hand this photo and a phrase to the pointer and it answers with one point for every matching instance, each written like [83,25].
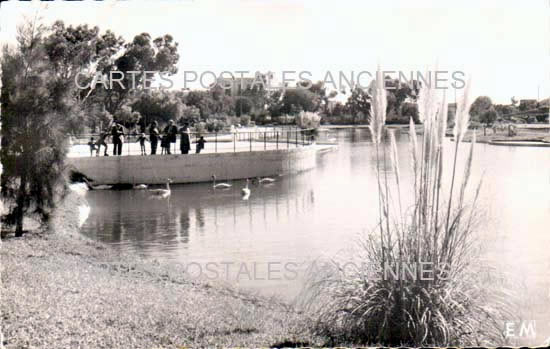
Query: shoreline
[61,289]
[542,138]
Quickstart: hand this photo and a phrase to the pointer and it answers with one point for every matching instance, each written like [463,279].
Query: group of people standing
[169,136]
[166,139]
[116,131]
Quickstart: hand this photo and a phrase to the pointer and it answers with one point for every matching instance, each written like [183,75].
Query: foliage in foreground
[380,295]
[36,108]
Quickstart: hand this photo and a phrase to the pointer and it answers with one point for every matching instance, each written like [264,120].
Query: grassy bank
[62,290]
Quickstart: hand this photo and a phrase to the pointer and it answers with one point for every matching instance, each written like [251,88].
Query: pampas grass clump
[360,304]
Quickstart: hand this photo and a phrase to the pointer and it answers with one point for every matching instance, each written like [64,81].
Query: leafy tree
[257,96]
[399,98]
[142,54]
[211,102]
[242,106]
[189,114]
[504,110]
[408,111]
[72,49]
[220,103]
[103,119]
[323,95]
[359,104]
[160,106]
[488,116]
[297,100]
[480,105]
[275,103]
[338,109]
[127,117]
[193,98]
[34,98]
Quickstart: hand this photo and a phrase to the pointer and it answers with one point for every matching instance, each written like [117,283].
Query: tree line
[42,105]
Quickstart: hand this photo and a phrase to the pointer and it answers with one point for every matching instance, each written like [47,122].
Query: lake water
[264,243]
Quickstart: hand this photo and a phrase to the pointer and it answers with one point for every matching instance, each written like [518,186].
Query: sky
[502,46]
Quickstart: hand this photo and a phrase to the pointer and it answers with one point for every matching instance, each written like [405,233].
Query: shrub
[261,117]
[244,120]
[286,119]
[344,119]
[199,128]
[214,125]
[455,307]
[308,120]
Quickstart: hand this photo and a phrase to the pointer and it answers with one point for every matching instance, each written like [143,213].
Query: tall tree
[480,105]
[141,55]
[274,101]
[160,106]
[36,106]
[401,97]
[358,104]
[324,96]
[73,49]
[298,99]
[488,116]
[243,106]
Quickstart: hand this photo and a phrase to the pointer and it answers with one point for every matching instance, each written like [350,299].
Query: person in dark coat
[185,142]
[154,137]
[164,144]
[117,132]
[121,136]
[171,132]
[200,145]
[92,146]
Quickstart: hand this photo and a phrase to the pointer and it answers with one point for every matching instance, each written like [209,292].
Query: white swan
[83,213]
[90,186]
[219,185]
[266,180]
[140,186]
[246,191]
[162,193]
[79,188]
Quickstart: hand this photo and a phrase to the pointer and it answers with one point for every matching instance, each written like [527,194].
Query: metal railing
[215,142]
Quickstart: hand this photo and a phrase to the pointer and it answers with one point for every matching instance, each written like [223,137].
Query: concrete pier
[192,168]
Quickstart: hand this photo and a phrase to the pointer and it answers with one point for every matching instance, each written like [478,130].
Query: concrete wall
[154,169]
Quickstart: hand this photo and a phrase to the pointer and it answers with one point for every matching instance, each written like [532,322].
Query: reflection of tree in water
[116,226]
[199,217]
[166,216]
[185,224]
[159,226]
